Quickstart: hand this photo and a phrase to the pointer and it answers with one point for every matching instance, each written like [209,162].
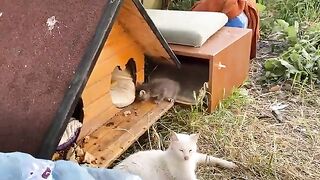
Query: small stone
[79,151]
[86,139]
[275,88]
[70,153]
[88,158]
[126,113]
[287,87]
[56,156]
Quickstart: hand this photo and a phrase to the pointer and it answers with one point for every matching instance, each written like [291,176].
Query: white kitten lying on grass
[178,162]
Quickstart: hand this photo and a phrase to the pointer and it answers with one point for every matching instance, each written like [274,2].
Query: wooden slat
[140,76]
[123,55]
[140,30]
[98,106]
[90,125]
[236,60]
[118,42]
[119,48]
[105,67]
[101,71]
[109,141]
[95,91]
[117,30]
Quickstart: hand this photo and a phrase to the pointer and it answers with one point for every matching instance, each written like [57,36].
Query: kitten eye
[190,150]
[181,150]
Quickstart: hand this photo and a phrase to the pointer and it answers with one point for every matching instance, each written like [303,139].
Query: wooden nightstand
[228,54]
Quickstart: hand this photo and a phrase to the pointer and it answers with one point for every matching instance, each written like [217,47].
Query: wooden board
[117,51]
[119,42]
[229,69]
[119,48]
[96,90]
[109,141]
[90,125]
[98,106]
[144,31]
[228,54]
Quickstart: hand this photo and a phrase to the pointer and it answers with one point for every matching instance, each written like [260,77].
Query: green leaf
[280,26]
[292,34]
[269,65]
[294,56]
[305,54]
[296,60]
[282,23]
[261,7]
[291,69]
[309,65]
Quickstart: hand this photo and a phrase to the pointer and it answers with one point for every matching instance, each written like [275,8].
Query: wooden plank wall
[132,20]
[119,48]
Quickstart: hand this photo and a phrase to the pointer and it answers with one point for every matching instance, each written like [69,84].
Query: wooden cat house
[65,60]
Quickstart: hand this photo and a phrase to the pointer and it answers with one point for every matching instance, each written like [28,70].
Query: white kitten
[178,162]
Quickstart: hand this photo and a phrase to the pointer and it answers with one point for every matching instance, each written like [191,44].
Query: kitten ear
[195,137]
[142,92]
[173,136]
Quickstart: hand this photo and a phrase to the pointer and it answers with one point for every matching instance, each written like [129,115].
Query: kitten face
[184,146]
[143,92]
[144,95]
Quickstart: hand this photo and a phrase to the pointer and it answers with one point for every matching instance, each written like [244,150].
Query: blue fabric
[240,21]
[21,166]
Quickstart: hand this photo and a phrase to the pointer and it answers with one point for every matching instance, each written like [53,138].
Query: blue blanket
[21,166]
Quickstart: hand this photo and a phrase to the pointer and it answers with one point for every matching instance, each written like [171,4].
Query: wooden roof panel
[138,24]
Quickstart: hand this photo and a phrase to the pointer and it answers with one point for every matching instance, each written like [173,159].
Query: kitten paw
[170,100]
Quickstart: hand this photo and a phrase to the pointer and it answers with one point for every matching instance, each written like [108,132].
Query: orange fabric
[232,8]
[252,13]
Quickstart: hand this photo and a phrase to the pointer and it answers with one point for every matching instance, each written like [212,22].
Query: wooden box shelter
[58,60]
[226,56]
[219,55]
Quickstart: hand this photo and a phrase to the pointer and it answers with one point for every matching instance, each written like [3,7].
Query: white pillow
[122,88]
[191,28]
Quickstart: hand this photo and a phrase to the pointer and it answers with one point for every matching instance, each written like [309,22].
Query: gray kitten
[158,89]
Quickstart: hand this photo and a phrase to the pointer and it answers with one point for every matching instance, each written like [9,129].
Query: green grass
[243,130]
[294,24]
[294,10]
[183,5]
